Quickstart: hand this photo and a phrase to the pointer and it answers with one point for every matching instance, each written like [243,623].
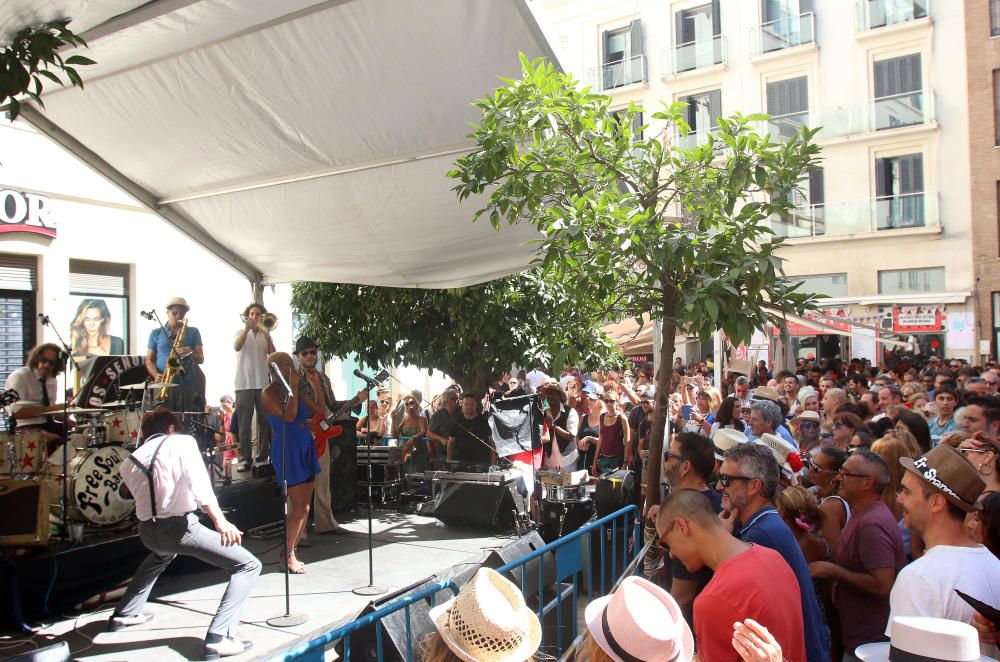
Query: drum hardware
[113,405]
[81,411]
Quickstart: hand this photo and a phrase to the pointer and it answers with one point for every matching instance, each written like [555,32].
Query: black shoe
[118,623]
[226,648]
[243,466]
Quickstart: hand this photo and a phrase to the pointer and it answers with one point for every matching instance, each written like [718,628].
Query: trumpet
[268,321]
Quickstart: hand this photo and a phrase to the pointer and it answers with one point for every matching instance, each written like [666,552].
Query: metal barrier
[313,650]
[614,540]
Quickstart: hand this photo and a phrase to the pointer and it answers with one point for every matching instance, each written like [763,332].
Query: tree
[32,55]
[640,224]
[472,334]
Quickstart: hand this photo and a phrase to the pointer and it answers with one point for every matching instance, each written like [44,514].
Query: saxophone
[173,362]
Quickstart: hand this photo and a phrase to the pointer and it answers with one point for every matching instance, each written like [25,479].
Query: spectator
[749,581]
[806,428]
[748,480]
[983,452]
[589,430]
[800,511]
[561,425]
[870,402]
[869,555]
[826,465]
[742,388]
[916,425]
[946,401]
[888,396]
[857,385]
[728,417]
[984,525]
[638,621]
[487,620]
[766,418]
[845,426]
[535,378]
[439,428]
[613,449]
[833,400]
[892,448]
[938,490]
[808,400]
[982,414]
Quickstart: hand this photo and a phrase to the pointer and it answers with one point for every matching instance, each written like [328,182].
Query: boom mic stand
[288,619]
[64,495]
[371,588]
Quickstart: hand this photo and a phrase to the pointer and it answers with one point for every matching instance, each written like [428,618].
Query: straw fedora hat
[766,393]
[178,301]
[488,621]
[726,438]
[788,458]
[808,415]
[927,639]
[944,469]
[640,621]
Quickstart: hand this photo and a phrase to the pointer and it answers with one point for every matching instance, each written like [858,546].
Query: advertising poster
[99,327]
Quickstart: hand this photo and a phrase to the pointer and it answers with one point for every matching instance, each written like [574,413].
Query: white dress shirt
[180,479]
[251,362]
[27,382]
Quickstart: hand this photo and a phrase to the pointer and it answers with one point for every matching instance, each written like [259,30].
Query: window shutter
[898,75]
[911,174]
[817,193]
[799,96]
[714,107]
[788,96]
[680,25]
[883,177]
[607,45]
[716,19]
[776,99]
[805,7]
[18,272]
[636,126]
[635,32]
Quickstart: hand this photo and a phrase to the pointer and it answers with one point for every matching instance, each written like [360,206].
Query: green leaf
[79,59]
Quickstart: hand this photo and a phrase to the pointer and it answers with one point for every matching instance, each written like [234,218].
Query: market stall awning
[296,140]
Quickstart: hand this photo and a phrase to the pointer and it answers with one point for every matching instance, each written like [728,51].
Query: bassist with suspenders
[168,479]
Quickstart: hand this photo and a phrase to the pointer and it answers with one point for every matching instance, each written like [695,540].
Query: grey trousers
[168,537]
[248,401]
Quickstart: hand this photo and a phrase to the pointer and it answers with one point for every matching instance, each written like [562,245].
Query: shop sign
[638,360]
[26,212]
[917,319]
[826,317]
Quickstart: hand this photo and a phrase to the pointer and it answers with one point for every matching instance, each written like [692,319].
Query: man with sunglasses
[35,383]
[869,556]
[748,480]
[189,392]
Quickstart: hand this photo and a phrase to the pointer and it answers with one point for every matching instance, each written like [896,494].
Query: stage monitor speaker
[343,450]
[364,645]
[518,549]
[54,653]
[615,491]
[25,508]
[252,503]
[494,506]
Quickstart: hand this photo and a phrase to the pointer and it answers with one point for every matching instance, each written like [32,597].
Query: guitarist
[317,386]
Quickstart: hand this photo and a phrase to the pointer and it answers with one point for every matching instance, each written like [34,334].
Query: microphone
[372,383]
[147,314]
[281,377]
[44,319]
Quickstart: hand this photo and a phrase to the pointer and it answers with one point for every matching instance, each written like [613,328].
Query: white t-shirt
[251,362]
[927,586]
[535,378]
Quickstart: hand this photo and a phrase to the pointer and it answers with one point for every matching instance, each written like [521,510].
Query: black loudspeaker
[563,517]
[252,503]
[364,645]
[519,549]
[343,450]
[25,508]
[615,491]
[494,506]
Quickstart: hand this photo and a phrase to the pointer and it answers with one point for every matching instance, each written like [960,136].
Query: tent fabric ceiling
[299,140]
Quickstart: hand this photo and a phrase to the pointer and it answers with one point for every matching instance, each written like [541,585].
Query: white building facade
[884,226]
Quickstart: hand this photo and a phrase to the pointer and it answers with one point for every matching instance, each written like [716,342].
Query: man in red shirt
[750,581]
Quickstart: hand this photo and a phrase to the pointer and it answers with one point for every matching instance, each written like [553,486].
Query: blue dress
[302,464]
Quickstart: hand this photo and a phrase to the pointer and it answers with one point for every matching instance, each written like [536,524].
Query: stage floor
[407,549]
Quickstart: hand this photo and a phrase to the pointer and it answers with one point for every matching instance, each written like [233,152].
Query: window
[785,23]
[702,115]
[698,37]
[623,62]
[807,217]
[994,17]
[911,280]
[788,106]
[996,324]
[899,98]
[833,285]
[880,13]
[18,278]
[619,115]
[899,191]
[99,291]
[996,107]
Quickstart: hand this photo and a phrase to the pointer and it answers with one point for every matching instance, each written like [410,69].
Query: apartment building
[884,226]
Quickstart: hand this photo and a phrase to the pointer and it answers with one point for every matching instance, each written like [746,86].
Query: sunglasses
[726,479]
[807,425]
[675,456]
[849,473]
[966,451]
[816,469]
[308,352]
[611,402]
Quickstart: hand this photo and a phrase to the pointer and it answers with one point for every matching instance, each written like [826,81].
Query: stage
[407,549]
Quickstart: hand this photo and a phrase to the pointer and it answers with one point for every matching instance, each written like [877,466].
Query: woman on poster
[89,335]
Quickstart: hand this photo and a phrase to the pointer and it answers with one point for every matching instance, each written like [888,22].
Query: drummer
[36,385]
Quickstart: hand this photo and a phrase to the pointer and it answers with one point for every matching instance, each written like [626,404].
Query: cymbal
[144,386]
[83,410]
[116,403]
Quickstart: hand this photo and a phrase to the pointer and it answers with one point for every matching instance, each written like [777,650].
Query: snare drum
[22,452]
[97,493]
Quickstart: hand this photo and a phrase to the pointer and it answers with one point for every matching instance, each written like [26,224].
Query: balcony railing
[886,113]
[783,126]
[699,54]
[785,33]
[619,73]
[899,110]
[911,210]
[691,139]
[880,13]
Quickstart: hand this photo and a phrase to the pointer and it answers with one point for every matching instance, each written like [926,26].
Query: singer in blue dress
[293,453]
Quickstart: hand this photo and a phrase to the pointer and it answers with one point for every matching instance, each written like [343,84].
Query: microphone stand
[64,494]
[371,588]
[288,619]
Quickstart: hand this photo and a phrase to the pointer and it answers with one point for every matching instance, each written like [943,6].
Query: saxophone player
[189,394]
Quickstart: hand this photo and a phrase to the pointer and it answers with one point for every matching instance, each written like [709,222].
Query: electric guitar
[322,426]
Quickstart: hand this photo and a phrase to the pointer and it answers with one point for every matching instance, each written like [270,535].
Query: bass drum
[97,492]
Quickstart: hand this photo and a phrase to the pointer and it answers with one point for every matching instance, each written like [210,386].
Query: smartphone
[686,412]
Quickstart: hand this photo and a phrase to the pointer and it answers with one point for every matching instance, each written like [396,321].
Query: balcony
[783,126]
[691,139]
[873,14]
[619,73]
[695,55]
[911,210]
[884,114]
[783,33]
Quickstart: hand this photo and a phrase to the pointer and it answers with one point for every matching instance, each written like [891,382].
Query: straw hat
[726,438]
[640,621]
[807,415]
[788,458]
[488,621]
[944,469]
[928,639]
[178,301]
[766,393]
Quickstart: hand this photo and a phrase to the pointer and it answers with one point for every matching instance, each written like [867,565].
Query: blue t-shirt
[162,342]
[937,430]
[766,528]
[782,432]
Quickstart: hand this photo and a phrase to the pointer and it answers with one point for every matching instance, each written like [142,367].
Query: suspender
[148,471]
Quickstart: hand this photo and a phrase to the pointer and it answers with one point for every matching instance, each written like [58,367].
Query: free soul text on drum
[97,486]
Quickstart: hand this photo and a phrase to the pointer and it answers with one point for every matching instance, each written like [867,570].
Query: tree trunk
[664,372]
[477,384]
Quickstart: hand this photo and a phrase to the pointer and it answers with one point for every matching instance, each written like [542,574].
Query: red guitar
[323,428]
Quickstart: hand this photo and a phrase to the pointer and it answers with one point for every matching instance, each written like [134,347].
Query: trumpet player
[253,344]
[189,392]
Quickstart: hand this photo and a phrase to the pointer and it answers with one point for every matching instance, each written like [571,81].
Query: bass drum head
[98,493]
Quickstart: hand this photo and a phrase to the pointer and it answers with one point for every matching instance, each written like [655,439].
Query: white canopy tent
[300,139]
